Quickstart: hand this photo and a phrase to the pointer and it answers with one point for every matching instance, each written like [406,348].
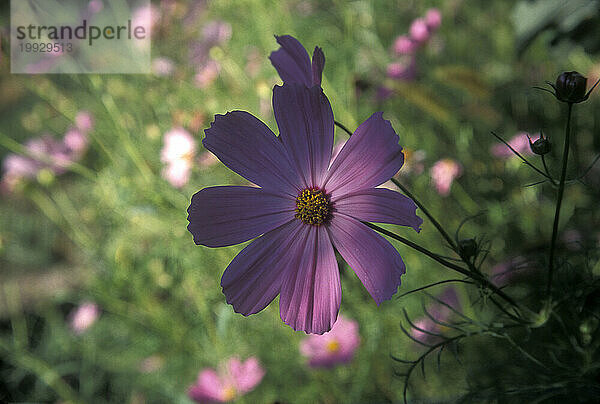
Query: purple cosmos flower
[334,347]
[293,63]
[303,208]
[234,379]
[440,312]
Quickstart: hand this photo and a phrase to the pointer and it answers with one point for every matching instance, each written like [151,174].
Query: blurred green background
[112,230]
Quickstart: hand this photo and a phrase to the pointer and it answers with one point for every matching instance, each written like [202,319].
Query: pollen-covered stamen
[312,206]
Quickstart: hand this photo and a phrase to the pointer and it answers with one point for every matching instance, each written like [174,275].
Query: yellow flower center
[312,206]
[229,393]
[333,346]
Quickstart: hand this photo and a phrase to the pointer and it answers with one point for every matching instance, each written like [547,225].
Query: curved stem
[345,129]
[522,158]
[546,167]
[587,170]
[434,284]
[437,225]
[561,190]
[473,275]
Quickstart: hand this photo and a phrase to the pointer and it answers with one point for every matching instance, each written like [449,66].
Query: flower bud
[570,87]
[467,247]
[541,146]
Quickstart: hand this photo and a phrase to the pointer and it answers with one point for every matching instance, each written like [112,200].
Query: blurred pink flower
[95,6]
[50,153]
[195,8]
[146,16]
[207,159]
[216,32]
[443,173]
[433,19]
[233,380]
[440,312]
[178,144]
[403,45]
[15,168]
[84,121]
[503,273]
[207,74]
[403,71]
[162,66]
[20,166]
[83,317]
[46,152]
[76,141]
[418,30]
[179,149]
[177,173]
[519,142]
[383,93]
[334,347]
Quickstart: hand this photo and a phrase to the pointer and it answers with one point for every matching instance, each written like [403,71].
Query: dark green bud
[570,87]
[541,146]
[467,247]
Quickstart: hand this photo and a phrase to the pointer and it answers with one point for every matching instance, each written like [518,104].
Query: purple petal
[318,63]
[248,147]
[311,292]
[222,216]
[374,260]
[369,158]
[292,61]
[305,121]
[379,205]
[253,278]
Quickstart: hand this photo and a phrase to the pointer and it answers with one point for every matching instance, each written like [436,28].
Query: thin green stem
[433,221]
[546,167]
[561,190]
[473,275]
[41,370]
[587,170]
[345,129]
[434,284]
[523,158]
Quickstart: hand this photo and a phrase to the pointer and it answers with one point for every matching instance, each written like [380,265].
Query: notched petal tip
[192,211]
